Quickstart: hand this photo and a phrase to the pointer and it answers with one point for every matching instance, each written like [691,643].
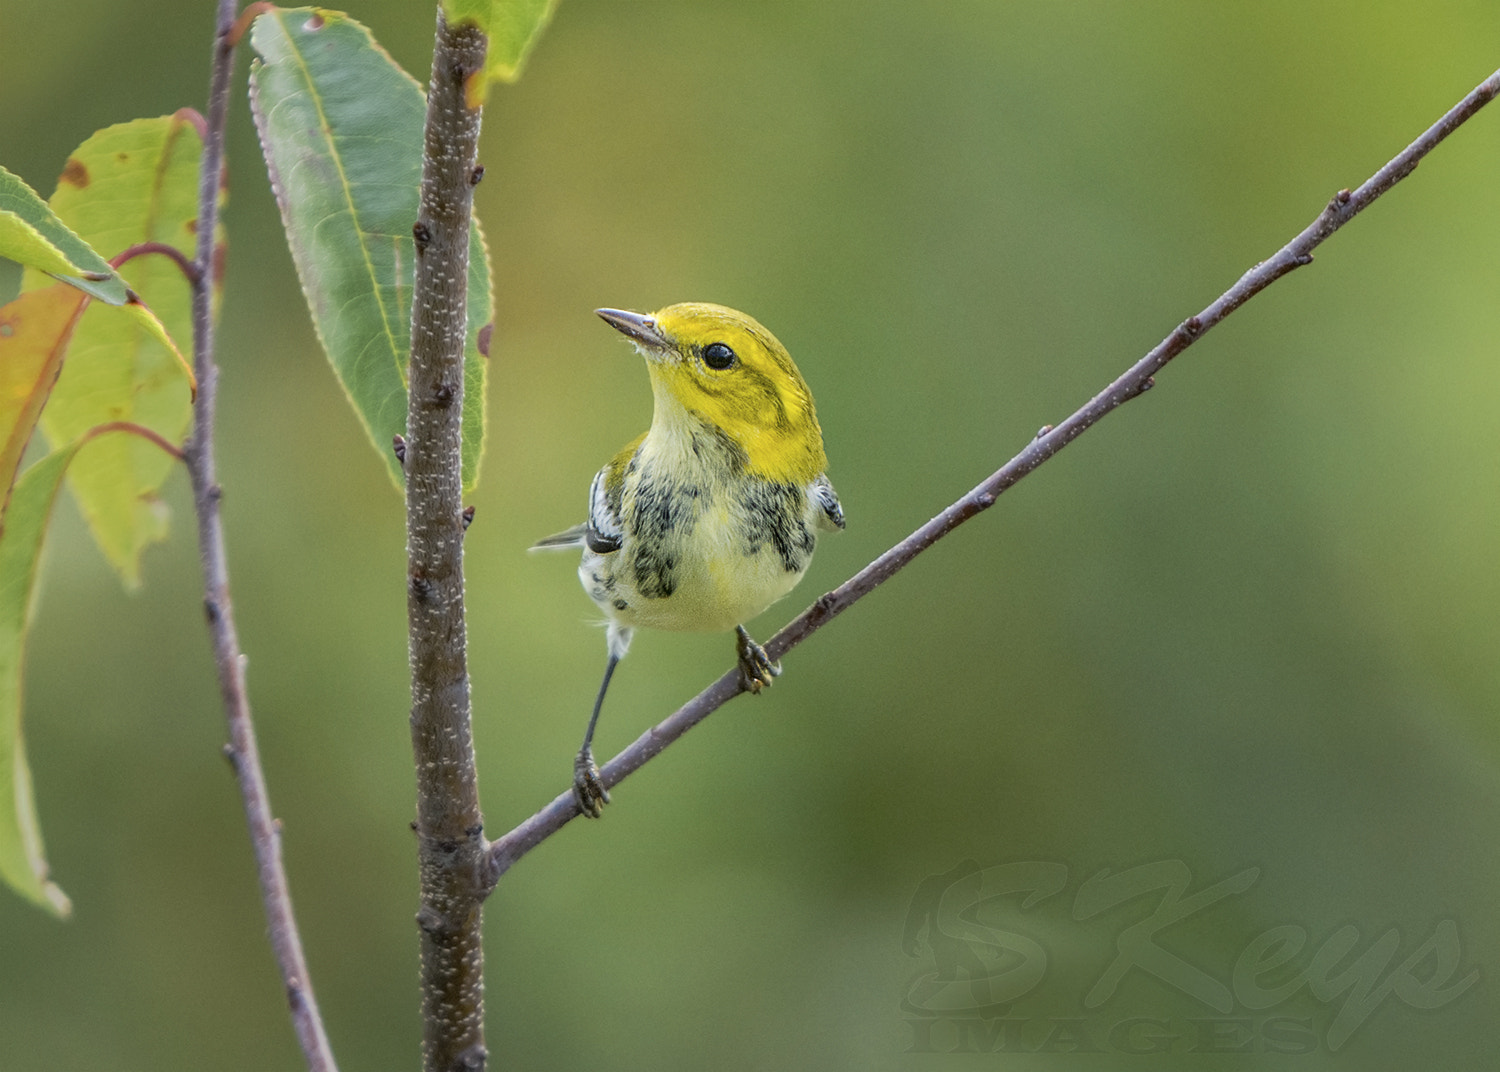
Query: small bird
[712,514]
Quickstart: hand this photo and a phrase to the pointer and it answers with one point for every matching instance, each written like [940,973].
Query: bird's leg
[757,671]
[587,786]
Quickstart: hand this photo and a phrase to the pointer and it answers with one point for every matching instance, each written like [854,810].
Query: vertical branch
[449,827]
[198,452]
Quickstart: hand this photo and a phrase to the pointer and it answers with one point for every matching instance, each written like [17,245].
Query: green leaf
[341,130]
[512,26]
[22,862]
[34,332]
[23,523]
[128,184]
[32,235]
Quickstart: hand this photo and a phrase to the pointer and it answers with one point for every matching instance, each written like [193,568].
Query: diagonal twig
[198,452]
[1344,206]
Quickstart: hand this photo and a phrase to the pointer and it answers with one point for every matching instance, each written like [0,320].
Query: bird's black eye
[718,356]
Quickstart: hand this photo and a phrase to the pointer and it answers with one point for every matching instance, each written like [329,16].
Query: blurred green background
[1248,622]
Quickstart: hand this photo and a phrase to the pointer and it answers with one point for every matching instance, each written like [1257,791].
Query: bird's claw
[757,671]
[588,787]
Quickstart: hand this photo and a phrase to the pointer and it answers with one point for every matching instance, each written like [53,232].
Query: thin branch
[187,267]
[243,754]
[148,434]
[242,25]
[450,829]
[1344,206]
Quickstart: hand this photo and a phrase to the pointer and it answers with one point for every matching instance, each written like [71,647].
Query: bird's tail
[567,540]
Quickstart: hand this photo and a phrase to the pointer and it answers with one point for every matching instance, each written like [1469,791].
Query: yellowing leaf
[34,334]
[512,26]
[127,185]
[141,313]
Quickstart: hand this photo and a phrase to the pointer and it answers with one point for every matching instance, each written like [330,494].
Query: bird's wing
[603,531]
[830,513]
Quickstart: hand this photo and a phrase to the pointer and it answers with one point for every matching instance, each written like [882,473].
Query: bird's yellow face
[724,368]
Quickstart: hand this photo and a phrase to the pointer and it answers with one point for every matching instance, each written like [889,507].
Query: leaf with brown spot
[74,173]
[341,131]
[143,187]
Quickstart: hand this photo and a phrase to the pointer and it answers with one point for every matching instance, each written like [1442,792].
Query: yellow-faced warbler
[711,515]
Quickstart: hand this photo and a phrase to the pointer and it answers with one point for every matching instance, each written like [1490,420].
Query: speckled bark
[450,837]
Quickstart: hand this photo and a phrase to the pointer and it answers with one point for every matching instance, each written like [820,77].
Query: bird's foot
[757,671]
[588,788]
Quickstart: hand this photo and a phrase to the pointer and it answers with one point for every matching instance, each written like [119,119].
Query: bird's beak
[641,328]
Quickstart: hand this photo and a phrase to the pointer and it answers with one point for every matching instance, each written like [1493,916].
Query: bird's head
[726,370]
